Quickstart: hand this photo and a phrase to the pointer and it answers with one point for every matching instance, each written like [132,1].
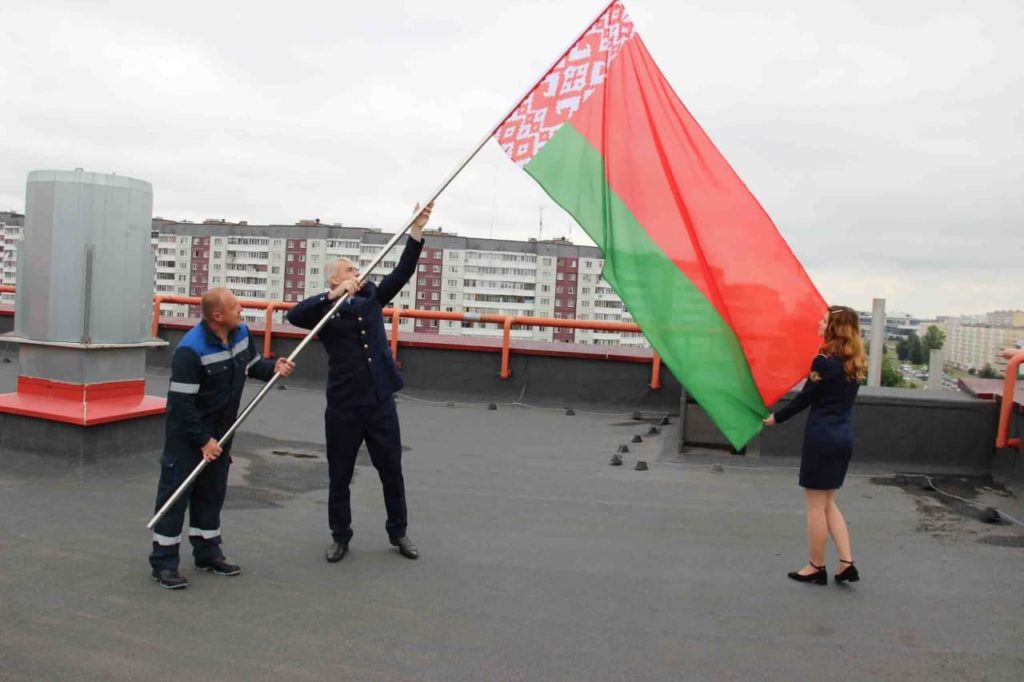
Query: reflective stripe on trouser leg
[167,533]
[207,499]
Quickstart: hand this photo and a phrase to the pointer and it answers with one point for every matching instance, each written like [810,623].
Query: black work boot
[405,547]
[170,579]
[219,566]
[336,552]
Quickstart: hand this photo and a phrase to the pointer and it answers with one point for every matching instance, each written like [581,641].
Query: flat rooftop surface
[539,562]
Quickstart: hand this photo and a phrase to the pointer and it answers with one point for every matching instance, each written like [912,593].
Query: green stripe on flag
[694,341]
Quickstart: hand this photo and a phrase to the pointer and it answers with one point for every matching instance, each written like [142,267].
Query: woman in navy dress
[830,389]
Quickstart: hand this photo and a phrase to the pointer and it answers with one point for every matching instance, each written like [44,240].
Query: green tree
[933,338]
[903,349]
[917,354]
[891,374]
[988,372]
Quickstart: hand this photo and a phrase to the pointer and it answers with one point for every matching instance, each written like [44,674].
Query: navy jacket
[361,369]
[207,377]
[830,395]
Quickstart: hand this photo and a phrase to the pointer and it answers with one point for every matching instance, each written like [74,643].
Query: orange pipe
[525,321]
[268,329]
[656,372]
[1006,408]
[396,315]
[6,289]
[506,345]
[155,329]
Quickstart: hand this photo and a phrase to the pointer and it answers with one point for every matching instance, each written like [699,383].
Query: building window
[422,282]
[419,296]
[437,268]
[434,296]
[558,275]
[422,268]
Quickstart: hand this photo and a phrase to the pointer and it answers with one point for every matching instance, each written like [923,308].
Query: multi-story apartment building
[1006,318]
[455,274]
[11,226]
[970,345]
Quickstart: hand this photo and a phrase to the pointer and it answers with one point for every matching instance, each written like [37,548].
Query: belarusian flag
[698,263]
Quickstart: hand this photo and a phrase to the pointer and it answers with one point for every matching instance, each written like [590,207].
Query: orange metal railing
[507,321]
[1006,408]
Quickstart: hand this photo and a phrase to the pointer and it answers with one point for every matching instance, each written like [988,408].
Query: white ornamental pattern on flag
[565,87]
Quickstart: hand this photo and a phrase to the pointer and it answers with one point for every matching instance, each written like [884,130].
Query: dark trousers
[203,501]
[346,429]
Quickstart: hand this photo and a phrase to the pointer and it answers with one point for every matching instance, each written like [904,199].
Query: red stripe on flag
[693,205]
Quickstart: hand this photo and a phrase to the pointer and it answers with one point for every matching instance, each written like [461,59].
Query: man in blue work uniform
[361,382]
[208,372]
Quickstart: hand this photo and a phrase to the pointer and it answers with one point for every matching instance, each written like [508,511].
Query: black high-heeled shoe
[819,577]
[850,574]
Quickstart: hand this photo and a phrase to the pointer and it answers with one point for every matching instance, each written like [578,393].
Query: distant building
[554,279]
[972,345]
[897,325]
[12,227]
[1006,318]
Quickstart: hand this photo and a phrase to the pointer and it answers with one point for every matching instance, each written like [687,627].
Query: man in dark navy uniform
[208,372]
[361,382]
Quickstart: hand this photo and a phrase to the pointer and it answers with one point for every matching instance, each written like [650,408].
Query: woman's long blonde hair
[842,340]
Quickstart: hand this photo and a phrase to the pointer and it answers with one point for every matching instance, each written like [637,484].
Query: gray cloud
[883,138]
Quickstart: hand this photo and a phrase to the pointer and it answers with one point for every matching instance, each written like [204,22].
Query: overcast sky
[886,139]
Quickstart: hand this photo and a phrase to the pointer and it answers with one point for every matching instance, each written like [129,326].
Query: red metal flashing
[81,404]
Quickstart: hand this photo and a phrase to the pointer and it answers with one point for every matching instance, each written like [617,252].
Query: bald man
[361,382]
[208,371]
